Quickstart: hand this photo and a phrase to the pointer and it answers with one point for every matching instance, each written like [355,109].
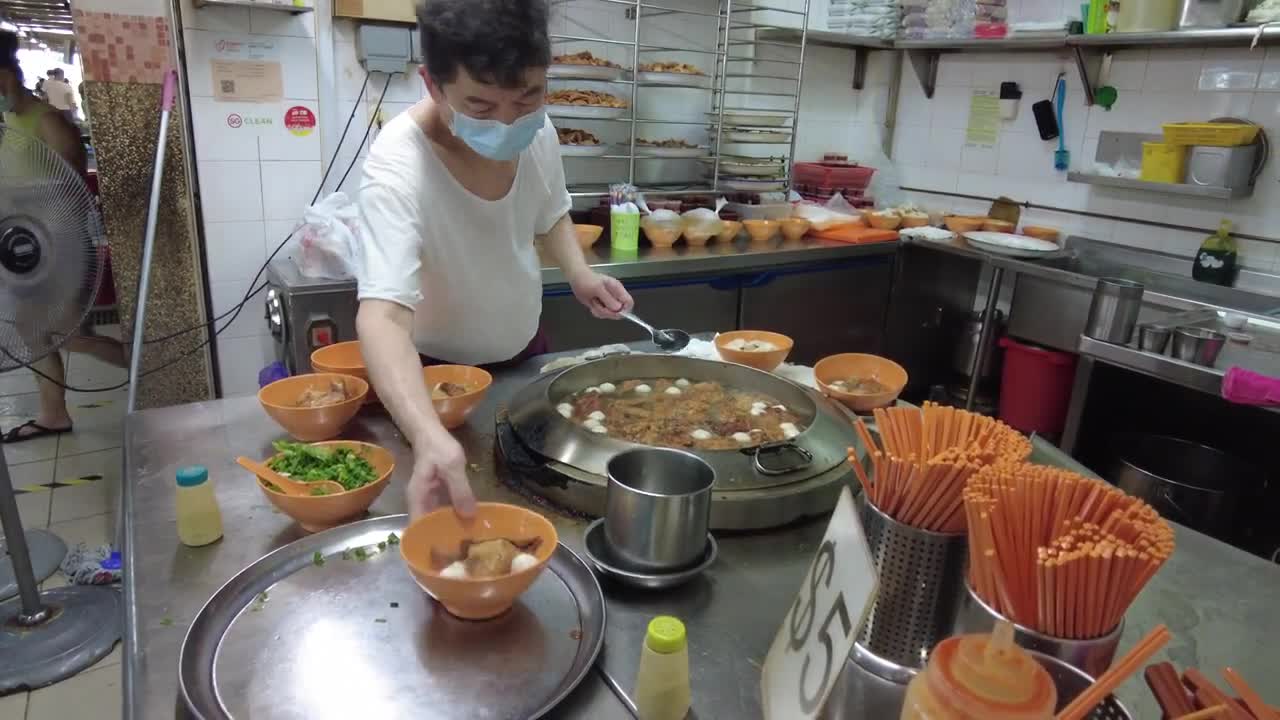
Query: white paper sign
[810,649]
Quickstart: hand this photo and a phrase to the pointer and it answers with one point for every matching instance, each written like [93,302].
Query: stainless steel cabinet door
[695,306]
[826,309]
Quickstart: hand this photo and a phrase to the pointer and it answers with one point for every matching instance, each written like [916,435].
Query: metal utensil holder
[921,580]
[1092,656]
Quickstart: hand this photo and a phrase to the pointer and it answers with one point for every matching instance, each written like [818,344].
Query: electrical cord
[254,291]
[234,312]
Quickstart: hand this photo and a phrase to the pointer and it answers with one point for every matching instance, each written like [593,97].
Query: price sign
[810,649]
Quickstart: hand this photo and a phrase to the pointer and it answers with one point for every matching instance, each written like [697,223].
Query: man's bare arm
[386,341]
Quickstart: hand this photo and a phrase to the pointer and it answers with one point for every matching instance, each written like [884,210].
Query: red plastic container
[1035,387]
[842,175]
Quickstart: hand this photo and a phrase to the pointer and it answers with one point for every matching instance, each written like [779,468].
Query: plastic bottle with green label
[1216,261]
[662,685]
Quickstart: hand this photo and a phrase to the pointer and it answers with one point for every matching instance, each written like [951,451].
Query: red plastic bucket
[1035,387]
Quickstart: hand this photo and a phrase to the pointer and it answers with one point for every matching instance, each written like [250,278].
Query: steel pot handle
[780,448]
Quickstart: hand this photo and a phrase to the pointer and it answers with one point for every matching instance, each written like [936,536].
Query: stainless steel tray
[333,626]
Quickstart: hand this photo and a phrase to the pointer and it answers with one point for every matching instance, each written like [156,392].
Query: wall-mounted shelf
[1202,191]
[861,46]
[278,7]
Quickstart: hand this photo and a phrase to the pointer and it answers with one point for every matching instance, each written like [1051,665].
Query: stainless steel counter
[1217,600]
[716,257]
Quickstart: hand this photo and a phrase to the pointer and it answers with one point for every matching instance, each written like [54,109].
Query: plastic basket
[1163,162]
[1213,134]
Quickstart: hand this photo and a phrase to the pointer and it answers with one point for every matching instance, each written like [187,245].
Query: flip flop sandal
[16,435]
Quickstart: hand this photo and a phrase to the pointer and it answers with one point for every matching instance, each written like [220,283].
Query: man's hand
[439,477]
[604,296]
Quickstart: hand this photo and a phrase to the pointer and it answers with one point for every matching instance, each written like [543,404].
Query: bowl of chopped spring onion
[363,469]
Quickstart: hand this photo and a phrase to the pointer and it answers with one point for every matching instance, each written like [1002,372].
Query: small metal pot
[1153,338]
[1198,345]
[1114,310]
[658,508]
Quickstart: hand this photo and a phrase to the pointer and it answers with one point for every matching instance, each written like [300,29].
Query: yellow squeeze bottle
[199,520]
[662,685]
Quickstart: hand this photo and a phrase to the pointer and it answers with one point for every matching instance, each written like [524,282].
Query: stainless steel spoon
[665,340]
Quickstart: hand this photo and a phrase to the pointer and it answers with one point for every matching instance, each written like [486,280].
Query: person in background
[24,113]
[60,94]
[454,193]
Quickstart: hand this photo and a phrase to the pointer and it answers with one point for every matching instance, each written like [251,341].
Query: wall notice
[247,69]
[984,119]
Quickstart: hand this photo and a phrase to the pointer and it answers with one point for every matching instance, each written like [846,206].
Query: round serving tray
[333,625]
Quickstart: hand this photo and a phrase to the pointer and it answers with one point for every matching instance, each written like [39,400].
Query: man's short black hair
[495,40]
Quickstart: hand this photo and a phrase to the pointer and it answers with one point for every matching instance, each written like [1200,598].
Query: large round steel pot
[1192,484]
[757,487]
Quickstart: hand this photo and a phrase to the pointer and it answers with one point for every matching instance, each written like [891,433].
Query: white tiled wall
[1154,86]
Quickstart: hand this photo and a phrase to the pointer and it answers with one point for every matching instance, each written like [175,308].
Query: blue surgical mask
[495,139]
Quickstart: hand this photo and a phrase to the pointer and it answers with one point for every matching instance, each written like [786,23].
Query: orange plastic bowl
[309,424]
[884,221]
[911,221]
[1041,233]
[859,365]
[344,358]
[730,231]
[768,360]
[795,228]
[963,223]
[443,530]
[588,234]
[321,512]
[454,411]
[760,230]
[697,238]
[660,236]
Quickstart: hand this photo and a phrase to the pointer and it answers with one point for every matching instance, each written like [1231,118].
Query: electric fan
[51,238]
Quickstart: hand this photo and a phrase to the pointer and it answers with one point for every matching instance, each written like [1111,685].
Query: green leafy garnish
[166,622]
[393,539]
[308,463]
[317,559]
[382,545]
[361,554]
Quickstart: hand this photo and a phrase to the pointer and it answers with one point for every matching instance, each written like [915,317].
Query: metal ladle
[665,340]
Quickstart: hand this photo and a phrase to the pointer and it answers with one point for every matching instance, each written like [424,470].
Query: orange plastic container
[981,677]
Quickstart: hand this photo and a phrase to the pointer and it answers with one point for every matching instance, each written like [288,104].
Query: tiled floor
[75,513]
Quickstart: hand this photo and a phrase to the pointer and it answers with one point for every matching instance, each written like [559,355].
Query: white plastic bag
[835,213]
[325,244]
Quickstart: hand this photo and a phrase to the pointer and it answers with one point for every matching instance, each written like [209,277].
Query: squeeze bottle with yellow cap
[981,677]
[662,685]
[199,520]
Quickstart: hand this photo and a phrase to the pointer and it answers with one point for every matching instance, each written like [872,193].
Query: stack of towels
[865,18]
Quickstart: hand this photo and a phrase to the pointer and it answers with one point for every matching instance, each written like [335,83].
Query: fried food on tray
[573,136]
[591,98]
[668,143]
[446,390]
[583,58]
[482,559]
[314,397]
[670,67]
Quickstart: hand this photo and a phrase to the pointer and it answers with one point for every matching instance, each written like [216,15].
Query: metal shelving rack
[734,58]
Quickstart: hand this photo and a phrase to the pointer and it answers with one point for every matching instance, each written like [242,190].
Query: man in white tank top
[454,192]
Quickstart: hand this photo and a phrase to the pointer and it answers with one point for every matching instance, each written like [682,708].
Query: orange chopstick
[1217,712]
[1110,680]
[1254,702]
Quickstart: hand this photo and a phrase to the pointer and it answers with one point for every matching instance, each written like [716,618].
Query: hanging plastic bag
[836,212]
[701,223]
[325,244]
